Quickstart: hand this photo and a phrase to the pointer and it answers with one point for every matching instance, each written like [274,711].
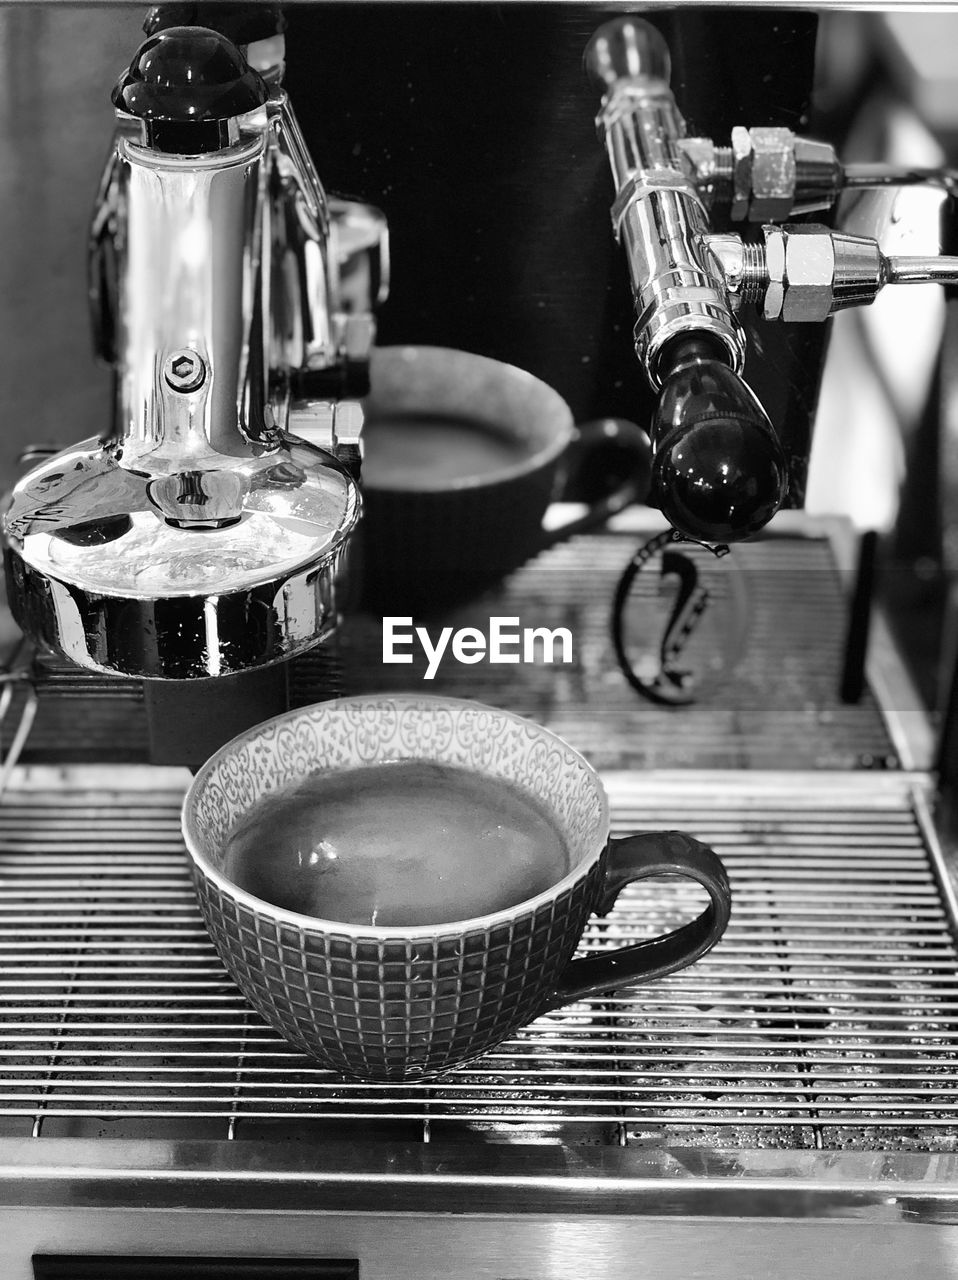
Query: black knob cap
[719,472]
[243,23]
[187,83]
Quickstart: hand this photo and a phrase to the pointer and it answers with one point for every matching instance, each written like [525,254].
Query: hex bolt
[185,371]
[775,269]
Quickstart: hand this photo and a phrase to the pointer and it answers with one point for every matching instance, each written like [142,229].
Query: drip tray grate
[827,1017]
[778,708]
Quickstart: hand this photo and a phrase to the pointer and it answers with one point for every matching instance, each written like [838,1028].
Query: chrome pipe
[658,214]
[192,357]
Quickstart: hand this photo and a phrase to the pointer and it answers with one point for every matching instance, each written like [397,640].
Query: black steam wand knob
[718,469]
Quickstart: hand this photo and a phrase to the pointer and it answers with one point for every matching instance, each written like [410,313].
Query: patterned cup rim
[318,924]
[553,408]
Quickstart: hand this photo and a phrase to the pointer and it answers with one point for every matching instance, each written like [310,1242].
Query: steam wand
[718,469]
[870,176]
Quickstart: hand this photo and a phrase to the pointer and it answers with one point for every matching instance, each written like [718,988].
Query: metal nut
[773,174]
[809,274]
[818,176]
[697,159]
[185,371]
[741,173]
[775,266]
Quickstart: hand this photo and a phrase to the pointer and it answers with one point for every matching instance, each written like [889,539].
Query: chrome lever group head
[196,536]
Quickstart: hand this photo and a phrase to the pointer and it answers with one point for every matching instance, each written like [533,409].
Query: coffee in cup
[409,842]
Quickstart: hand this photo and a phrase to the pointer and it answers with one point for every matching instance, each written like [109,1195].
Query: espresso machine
[185,571]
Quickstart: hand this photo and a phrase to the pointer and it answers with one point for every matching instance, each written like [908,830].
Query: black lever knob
[243,22]
[718,469]
[186,84]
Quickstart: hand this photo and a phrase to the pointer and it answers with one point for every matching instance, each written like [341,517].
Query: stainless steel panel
[483,1247]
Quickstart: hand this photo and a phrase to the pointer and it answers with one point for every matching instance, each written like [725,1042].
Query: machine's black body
[474,131]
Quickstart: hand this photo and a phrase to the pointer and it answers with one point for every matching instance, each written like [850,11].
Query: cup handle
[639,857]
[593,436]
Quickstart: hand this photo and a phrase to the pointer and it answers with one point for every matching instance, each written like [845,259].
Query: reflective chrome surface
[304,272]
[658,214]
[189,271]
[308,1218]
[196,538]
[359,244]
[197,574]
[807,272]
[684,277]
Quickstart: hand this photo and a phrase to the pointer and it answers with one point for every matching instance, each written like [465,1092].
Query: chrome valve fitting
[805,272]
[659,215]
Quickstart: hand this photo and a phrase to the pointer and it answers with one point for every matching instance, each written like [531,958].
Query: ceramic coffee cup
[409,1002]
[463,456]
